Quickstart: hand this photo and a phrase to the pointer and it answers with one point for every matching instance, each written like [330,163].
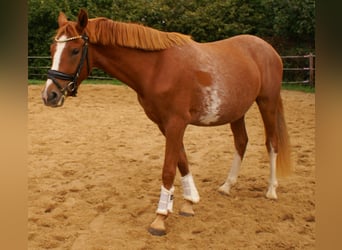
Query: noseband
[71,87]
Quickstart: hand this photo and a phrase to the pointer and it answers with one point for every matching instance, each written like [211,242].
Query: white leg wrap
[165,204]
[189,189]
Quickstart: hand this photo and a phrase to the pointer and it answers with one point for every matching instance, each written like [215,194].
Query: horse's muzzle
[53,98]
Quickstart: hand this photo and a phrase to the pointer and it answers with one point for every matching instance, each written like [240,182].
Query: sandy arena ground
[94,170]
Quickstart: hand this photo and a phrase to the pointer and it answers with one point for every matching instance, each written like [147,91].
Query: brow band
[67,39]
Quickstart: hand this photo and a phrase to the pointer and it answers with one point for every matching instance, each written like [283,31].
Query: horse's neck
[132,67]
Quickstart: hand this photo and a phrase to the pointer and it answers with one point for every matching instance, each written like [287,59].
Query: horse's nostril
[52,95]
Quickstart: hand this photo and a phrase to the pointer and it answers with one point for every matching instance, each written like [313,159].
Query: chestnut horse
[178,82]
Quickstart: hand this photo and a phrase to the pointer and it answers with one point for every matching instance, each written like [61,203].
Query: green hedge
[288,25]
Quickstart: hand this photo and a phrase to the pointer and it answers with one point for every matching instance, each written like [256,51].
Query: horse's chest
[150,109]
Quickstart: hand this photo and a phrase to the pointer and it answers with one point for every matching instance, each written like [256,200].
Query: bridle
[71,87]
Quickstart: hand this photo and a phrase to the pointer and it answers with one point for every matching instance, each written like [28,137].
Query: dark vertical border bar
[329,125]
[13,112]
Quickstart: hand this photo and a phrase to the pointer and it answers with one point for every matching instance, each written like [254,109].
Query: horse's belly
[216,119]
[217,107]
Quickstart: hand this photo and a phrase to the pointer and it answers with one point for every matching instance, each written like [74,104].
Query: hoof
[272,195]
[186,214]
[157,227]
[156,232]
[187,209]
[223,190]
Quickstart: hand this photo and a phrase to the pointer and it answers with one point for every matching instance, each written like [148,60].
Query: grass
[298,87]
[294,87]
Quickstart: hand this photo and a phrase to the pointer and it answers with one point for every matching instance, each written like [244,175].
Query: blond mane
[107,32]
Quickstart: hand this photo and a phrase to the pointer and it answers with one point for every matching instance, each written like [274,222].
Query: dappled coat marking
[212,103]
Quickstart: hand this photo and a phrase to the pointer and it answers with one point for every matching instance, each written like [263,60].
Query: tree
[286,24]
[294,23]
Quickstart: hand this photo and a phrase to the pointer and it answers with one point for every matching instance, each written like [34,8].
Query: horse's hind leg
[240,140]
[268,110]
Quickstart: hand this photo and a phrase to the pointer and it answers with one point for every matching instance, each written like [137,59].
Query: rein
[71,87]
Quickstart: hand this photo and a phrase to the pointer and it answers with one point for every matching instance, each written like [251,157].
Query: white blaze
[56,61]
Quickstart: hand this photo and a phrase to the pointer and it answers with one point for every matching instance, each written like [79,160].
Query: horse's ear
[62,19]
[82,20]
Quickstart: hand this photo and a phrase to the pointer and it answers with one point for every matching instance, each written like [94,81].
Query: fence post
[311,68]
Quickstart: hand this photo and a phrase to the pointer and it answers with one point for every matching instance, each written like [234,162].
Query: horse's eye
[75,51]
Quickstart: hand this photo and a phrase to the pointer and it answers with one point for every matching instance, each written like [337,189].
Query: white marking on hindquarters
[189,189]
[211,104]
[233,174]
[55,63]
[273,183]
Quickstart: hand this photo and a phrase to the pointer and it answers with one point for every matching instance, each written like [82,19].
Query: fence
[297,69]
[39,65]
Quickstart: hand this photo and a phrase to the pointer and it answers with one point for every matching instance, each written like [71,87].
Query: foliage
[282,22]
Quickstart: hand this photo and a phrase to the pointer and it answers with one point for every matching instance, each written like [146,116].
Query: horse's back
[249,45]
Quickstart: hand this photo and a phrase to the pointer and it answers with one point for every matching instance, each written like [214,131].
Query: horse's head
[70,65]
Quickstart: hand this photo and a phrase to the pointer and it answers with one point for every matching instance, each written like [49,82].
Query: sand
[94,176]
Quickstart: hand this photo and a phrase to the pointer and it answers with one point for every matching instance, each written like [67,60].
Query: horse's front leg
[174,132]
[190,193]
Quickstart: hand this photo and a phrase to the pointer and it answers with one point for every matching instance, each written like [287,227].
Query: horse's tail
[284,166]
